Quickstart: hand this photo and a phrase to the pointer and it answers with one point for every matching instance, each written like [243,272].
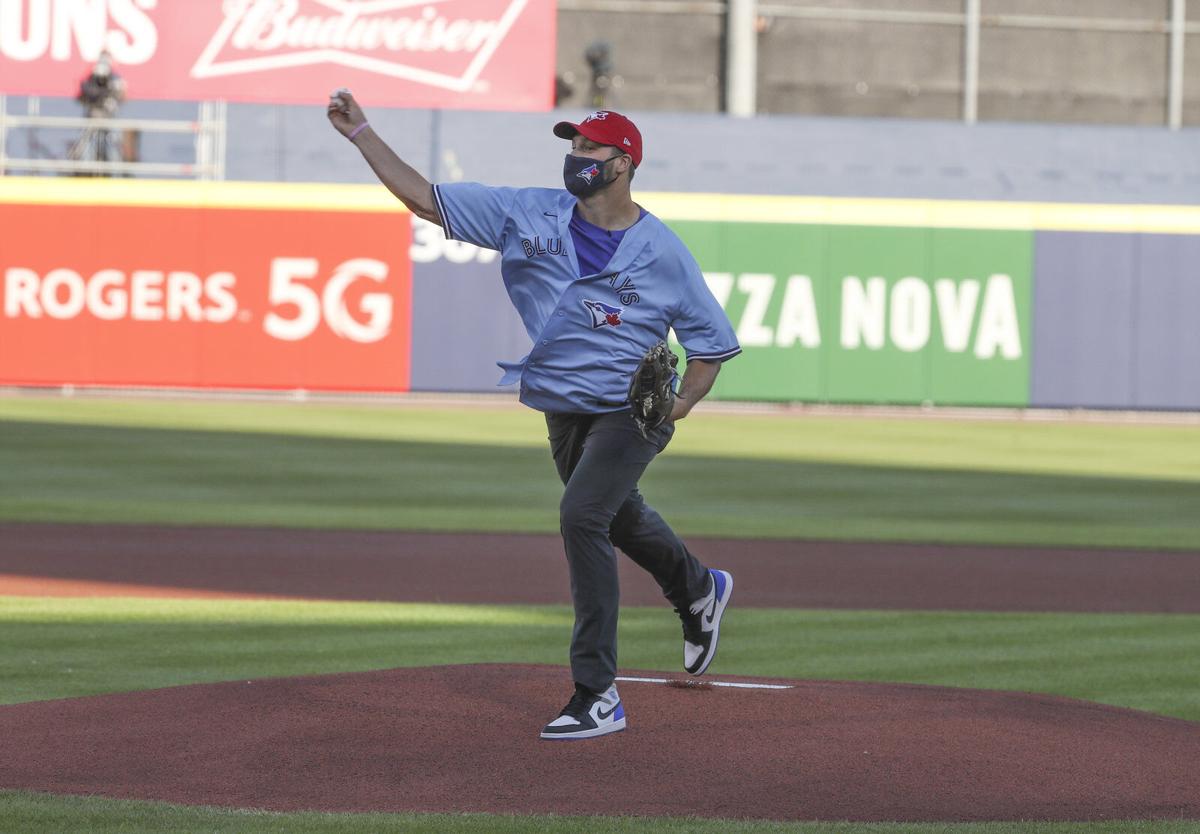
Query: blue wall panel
[1083,319]
[462,319]
[1167,348]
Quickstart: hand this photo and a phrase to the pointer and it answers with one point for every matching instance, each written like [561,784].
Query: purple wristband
[358,130]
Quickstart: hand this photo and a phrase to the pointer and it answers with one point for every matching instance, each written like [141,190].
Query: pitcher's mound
[465,738]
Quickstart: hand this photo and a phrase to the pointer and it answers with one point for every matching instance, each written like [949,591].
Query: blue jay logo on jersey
[589,173]
[603,314]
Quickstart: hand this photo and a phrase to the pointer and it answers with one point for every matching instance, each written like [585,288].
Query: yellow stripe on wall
[937,214]
[732,208]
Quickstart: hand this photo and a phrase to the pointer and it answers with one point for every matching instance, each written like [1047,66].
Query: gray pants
[600,458]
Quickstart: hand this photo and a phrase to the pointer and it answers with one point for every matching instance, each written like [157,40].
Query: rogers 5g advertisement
[205,297]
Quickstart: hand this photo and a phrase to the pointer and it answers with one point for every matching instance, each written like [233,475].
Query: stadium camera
[102,91]
[599,58]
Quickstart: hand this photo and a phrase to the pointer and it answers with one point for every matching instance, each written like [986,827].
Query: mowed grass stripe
[57,648]
[1160,452]
[61,472]
[33,813]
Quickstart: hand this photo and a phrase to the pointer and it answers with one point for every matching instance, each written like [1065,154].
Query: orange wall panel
[204,297]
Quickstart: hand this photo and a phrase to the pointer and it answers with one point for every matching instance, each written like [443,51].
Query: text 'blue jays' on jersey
[589,332]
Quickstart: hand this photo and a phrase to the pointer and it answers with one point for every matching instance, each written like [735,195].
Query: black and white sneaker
[588,714]
[702,623]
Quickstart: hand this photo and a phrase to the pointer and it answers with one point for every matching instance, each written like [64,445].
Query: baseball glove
[652,390]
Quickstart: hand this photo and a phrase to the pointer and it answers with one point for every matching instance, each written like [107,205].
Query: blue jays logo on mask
[589,173]
[603,314]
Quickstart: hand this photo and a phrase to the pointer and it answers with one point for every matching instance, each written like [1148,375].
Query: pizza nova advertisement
[474,54]
[204,297]
[867,314]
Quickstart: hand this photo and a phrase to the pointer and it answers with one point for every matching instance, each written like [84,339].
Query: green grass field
[422,468]
[35,813]
[61,648]
[409,467]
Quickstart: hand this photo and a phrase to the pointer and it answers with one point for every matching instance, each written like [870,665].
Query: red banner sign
[473,54]
[227,298]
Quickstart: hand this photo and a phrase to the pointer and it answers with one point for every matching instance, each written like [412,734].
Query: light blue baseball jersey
[589,332]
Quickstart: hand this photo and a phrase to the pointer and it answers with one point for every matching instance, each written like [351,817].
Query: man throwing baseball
[598,281]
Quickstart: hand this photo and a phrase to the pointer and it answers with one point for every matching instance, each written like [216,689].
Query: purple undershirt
[594,247]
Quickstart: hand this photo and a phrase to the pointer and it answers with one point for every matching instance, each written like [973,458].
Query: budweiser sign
[479,54]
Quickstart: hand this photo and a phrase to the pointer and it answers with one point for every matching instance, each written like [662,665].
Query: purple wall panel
[1167,348]
[462,319]
[1083,319]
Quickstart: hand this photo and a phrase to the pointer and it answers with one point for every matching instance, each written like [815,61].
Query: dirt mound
[465,738]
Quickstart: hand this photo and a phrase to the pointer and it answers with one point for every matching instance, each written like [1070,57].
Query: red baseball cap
[606,127]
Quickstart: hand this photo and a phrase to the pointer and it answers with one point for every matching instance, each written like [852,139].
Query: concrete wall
[661,61]
[859,68]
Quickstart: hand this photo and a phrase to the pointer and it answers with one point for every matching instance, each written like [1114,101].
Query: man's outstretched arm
[401,179]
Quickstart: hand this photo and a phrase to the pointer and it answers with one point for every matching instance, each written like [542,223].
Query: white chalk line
[731,684]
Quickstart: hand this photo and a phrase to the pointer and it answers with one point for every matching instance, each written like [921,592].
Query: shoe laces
[580,702]
[691,624]
[690,616]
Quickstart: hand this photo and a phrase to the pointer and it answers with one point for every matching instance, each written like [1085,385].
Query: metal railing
[742,13]
[95,135]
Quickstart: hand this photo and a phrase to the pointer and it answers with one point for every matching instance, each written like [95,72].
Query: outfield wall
[328,287]
[693,152]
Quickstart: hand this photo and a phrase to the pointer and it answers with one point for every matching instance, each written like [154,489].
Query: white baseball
[339,95]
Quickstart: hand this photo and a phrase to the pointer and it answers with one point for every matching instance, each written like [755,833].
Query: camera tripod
[96,144]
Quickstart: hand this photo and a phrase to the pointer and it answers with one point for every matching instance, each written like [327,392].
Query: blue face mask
[583,176]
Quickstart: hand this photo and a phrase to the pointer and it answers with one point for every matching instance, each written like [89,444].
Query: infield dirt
[132,560]
[464,738]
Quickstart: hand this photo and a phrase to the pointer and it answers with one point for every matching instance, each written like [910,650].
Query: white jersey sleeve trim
[715,357]
[441,207]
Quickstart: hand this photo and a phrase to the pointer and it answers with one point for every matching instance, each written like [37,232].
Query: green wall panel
[864,265]
[865,314]
[981,350]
